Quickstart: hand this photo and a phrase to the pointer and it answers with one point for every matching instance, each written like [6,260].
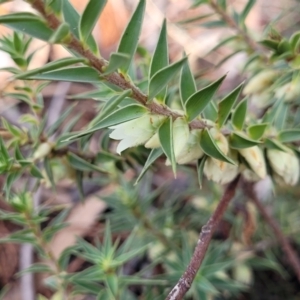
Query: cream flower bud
[42,151]
[180,136]
[285,165]
[223,145]
[255,159]
[136,132]
[259,82]
[289,91]
[153,142]
[191,150]
[261,100]
[220,172]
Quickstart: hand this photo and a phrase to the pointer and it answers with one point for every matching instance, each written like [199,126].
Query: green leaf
[59,121]
[210,111]
[210,148]
[112,104]
[130,37]
[294,41]
[200,168]
[257,131]
[112,283]
[121,115]
[246,10]
[72,17]
[161,78]
[27,23]
[214,24]
[239,141]
[165,133]
[271,44]
[153,156]
[48,170]
[73,74]
[223,42]
[89,18]
[80,164]
[61,34]
[187,84]
[274,144]
[36,268]
[198,101]
[289,135]
[35,172]
[239,115]
[116,61]
[226,104]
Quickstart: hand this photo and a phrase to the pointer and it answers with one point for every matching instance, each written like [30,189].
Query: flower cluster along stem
[206,234]
[115,78]
[291,255]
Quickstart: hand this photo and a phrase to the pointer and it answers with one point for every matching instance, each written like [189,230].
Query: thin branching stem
[206,234]
[291,255]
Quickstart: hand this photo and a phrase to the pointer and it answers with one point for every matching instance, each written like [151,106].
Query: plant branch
[115,78]
[252,44]
[206,234]
[271,221]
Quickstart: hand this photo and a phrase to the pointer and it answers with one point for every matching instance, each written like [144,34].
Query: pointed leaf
[160,79]
[274,144]
[80,164]
[239,141]
[198,101]
[112,284]
[239,114]
[61,34]
[35,172]
[210,111]
[200,168]
[226,105]
[289,135]
[130,37]
[246,10]
[74,74]
[187,84]
[257,131]
[72,17]
[112,104]
[153,156]
[210,148]
[90,17]
[121,115]
[116,61]
[165,133]
[48,170]
[27,23]
[160,57]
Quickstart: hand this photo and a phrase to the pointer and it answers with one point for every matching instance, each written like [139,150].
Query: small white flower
[259,82]
[219,171]
[136,132]
[285,165]
[289,91]
[42,151]
[255,159]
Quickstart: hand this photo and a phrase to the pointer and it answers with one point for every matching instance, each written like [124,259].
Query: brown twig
[283,240]
[186,280]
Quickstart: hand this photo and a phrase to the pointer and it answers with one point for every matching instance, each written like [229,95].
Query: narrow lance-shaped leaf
[246,10]
[226,105]
[61,34]
[257,131]
[198,101]
[116,61]
[121,115]
[239,114]
[90,17]
[153,156]
[210,148]
[241,141]
[160,79]
[200,168]
[82,165]
[165,133]
[28,23]
[210,112]
[48,170]
[160,57]
[72,17]
[187,84]
[289,135]
[130,37]
[73,74]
